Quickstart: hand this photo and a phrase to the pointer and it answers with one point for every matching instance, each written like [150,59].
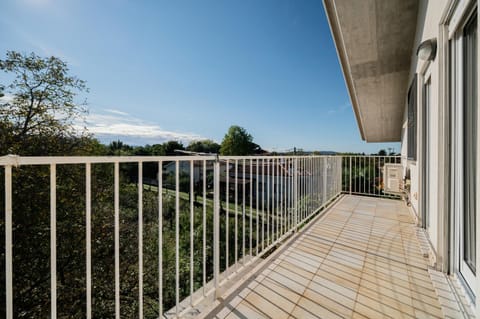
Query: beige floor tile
[333,305]
[349,273]
[392,291]
[345,260]
[335,292]
[287,282]
[281,290]
[269,304]
[395,303]
[427,308]
[309,254]
[307,308]
[295,272]
[383,307]
[302,263]
[367,312]
[356,315]
[243,310]
[340,279]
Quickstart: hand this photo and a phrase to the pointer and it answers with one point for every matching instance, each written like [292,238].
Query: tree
[171,146]
[119,148]
[382,153]
[238,141]
[42,106]
[204,146]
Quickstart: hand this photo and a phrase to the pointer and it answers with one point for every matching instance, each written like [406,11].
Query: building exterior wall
[436,19]
[429,16]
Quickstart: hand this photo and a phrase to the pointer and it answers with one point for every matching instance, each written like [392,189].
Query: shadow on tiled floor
[361,260]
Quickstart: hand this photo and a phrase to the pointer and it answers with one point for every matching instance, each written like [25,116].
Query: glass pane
[469,140]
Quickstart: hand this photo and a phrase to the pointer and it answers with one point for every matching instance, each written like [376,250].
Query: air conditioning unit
[392,177]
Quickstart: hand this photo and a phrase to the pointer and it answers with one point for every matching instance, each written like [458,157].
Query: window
[469,139]
[412,121]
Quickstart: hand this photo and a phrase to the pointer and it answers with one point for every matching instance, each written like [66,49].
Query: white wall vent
[392,178]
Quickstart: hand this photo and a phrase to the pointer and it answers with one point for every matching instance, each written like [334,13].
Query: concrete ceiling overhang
[374,40]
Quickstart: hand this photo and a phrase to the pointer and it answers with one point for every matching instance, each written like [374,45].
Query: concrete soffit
[374,41]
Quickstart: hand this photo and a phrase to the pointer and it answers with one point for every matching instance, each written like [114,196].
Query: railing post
[325,178]
[117,236]
[8,243]
[53,241]
[350,175]
[295,193]
[88,237]
[216,227]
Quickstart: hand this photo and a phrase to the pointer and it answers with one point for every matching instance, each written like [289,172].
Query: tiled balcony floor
[360,260]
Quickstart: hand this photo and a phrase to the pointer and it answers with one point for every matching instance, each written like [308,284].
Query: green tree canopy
[204,146]
[40,105]
[238,141]
[171,146]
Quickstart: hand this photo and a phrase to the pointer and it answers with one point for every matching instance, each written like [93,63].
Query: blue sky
[160,70]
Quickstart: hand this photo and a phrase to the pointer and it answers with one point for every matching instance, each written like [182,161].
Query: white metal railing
[247,206]
[363,175]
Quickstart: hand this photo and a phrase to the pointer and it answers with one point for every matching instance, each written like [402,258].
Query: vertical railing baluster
[325,177]
[192,221]
[305,190]
[364,174]
[243,212]
[251,206]
[227,224]
[236,215]
[290,194]
[117,237]
[140,240]
[350,174]
[295,195]
[279,198]
[263,203]
[274,189]
[257,243]
[282,208]
[177,237]
[216,226]
[357,174]
[8,243]
[375,175]
[310,186]
[268,201]
[53,240]
[317,189]
[160,238]
[204,223]
[88,237]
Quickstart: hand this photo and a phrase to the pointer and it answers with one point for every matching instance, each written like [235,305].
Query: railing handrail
[17,160]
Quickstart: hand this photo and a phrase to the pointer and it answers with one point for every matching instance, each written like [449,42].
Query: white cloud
[112,124]
[116,112]
[7,98]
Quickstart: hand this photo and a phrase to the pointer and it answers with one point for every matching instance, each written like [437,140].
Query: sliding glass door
[470,134]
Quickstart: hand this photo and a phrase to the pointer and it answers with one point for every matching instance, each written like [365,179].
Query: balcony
[361,259]
[207,236]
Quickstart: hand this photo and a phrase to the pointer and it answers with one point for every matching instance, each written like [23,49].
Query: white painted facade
[440,129]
